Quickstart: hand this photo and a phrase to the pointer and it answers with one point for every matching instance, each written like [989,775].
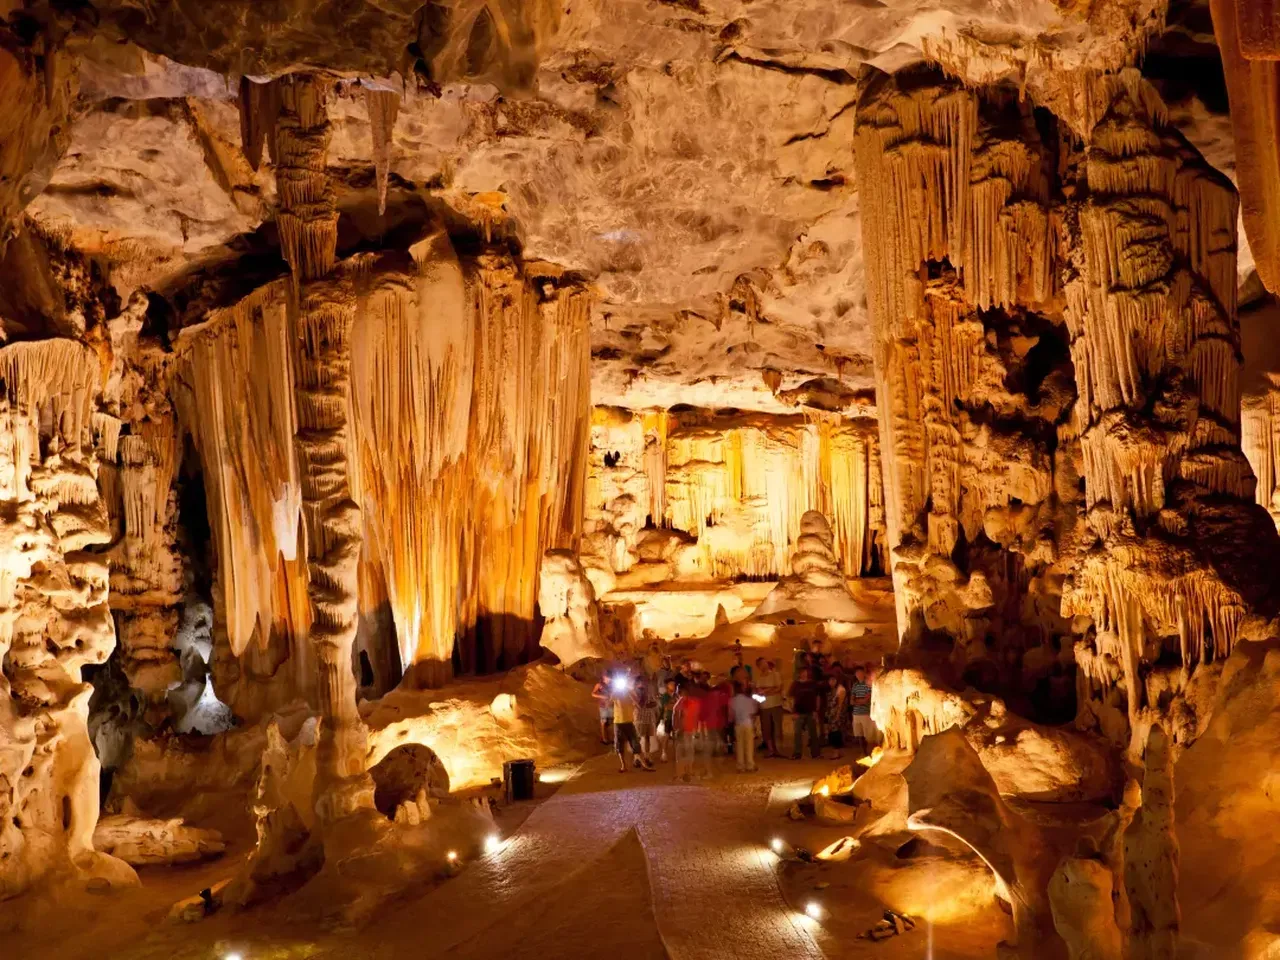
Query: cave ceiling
[692,158]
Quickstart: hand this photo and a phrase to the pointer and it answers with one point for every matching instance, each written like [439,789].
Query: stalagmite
[54,618]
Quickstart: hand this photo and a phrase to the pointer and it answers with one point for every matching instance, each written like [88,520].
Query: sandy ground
[611,865]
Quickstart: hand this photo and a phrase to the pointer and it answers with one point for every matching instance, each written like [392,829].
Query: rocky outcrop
[142,842]
[54,615]
[816,588]
[567,602]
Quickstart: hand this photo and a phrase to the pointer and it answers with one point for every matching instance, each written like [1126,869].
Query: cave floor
[617,866]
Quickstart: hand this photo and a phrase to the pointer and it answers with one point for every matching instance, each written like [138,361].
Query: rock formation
[566,600]
[354,355]
[816,588]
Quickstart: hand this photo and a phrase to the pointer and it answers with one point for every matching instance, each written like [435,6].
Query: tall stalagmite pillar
[1150,287]
[955,191]
[325,310]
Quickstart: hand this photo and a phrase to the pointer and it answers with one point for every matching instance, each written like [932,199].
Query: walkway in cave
[618,866]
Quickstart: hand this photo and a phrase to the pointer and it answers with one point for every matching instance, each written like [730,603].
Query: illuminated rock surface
[374,376]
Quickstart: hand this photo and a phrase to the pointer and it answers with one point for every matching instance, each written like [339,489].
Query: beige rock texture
[567,602]
[144,842]
[355,354]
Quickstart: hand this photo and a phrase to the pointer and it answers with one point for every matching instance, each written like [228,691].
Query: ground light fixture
[452,856]
[776,845]
[812,910]
[232,956]
[492,843]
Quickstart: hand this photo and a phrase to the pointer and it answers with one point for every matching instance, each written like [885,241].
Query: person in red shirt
[687,719]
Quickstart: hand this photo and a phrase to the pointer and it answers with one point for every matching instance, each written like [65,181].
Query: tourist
[663,674]
[804,704]
[720,720]
[652,662]
[624,723]
[744,710]
[835,711]
[687,720]
[769,685]
[740,672]
[603,694]
[864,728]
[666,713]
[646,723]
[684,676]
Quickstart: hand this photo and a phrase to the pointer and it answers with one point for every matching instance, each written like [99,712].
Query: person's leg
[746,748]
[773,729]
[811,724]
[800,719]
[620,746]
[636,756]
[740,751]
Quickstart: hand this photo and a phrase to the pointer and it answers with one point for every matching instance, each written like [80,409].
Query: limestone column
[1150,289]
[954,192]
[325,309]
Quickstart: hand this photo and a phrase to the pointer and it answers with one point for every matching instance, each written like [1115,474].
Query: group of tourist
[656,710]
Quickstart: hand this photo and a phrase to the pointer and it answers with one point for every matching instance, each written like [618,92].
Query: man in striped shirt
[864,728]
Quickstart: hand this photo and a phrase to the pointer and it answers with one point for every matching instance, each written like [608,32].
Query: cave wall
[1126,495]
[54,613]
[737,483]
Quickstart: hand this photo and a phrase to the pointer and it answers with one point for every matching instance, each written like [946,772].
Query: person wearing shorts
[864,728]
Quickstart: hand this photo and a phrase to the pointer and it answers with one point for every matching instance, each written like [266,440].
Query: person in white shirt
[743,709]
[769,685]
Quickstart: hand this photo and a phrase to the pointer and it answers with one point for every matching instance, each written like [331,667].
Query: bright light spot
[812,910]
[825,790]
[492,843]
[872,760]
[452,856]
[553,776]
[232,956]
[776,844]
[503,707]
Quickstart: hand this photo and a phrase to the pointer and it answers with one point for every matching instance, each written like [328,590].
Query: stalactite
[238,405]
[1253,88]
[383,107]
[956,227]
[1151,307]
[54,617]
[307,218]
[740,484]
[259,106]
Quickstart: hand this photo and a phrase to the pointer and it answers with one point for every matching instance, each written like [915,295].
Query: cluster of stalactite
[468,418]
[54,617]
[1125,241]
[972,393]
[139,448]
[1150,290]
[738,483]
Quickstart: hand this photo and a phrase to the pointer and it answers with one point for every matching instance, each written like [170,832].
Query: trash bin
[517,777]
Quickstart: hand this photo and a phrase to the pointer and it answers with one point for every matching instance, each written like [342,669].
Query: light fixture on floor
[232,956]
[452,856]
[492,843]
[776,845]
[812,910]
